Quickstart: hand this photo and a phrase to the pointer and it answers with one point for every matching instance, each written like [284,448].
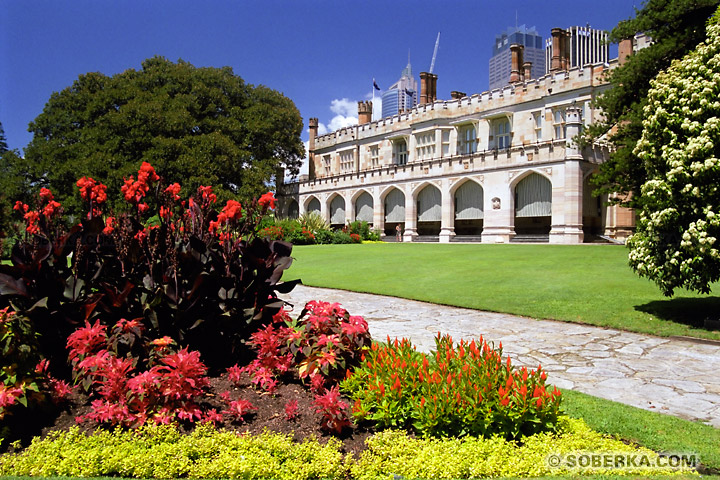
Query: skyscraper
[500,62]
[582,46]
[402,95]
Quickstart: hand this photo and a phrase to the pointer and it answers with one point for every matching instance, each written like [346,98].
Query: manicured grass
[656,431]
[579,283]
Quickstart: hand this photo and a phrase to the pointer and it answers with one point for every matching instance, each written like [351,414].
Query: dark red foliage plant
[169,266]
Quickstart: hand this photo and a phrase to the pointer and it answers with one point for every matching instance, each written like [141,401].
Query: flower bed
[166,319]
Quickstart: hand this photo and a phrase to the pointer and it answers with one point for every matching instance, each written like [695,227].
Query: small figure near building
[398,233]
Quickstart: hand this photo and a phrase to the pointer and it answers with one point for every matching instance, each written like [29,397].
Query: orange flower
[162,342]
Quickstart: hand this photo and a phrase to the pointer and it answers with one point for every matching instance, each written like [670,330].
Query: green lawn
[655,431]
[579,283]
[584,283]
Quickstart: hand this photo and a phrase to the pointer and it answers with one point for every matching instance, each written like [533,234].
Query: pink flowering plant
[179,263]
[126,391]
[319,346]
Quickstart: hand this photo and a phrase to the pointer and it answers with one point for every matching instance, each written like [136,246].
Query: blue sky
[322,54]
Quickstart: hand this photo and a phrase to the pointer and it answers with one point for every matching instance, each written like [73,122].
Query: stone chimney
[555,61]
[516,60]
[527,70]
[455,95]
[365,111]
[565,51]
[428,87]
[313,127]
[625,49]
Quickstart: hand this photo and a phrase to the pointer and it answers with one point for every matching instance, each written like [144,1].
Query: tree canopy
[676,27]
[202,126]
[676,242]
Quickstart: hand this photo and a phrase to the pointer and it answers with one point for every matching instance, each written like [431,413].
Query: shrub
[20,356]
[321,345]
[160,451]
[394,452]
[341,237]
[314,222]
[362,228]
[324,237]
[355,238]
[196,274]
[160,387]
[333,410]
[273,232]
[453,391]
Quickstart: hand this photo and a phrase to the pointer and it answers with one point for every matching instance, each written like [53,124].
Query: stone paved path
[671,376]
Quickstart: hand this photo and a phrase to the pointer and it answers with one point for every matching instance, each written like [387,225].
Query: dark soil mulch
[270,415]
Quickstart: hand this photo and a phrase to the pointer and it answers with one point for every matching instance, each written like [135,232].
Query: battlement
[553,87]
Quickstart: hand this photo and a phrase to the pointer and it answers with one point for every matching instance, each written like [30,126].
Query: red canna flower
[174,190]
[267,201]
[109,225]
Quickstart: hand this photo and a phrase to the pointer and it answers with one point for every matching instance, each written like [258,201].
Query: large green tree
[678,230]
[676,27]
[198,126]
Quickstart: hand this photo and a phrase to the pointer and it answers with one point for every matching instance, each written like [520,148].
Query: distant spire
[407,71]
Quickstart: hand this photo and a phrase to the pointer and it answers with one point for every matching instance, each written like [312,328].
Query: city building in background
[580,45]
[402,95]
[500,62]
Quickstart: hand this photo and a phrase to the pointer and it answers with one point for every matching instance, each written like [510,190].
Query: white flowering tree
[676,243]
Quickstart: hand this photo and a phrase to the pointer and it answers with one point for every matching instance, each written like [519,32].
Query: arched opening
[592,211]
[533,206]
[337,212]
[293,210]
[469,209]
[314,206]
[394,212]
[429,211]
[364,208]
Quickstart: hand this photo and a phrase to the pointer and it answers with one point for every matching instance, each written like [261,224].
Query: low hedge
[163,452]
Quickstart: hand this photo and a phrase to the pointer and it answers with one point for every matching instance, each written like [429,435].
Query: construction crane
[437,44]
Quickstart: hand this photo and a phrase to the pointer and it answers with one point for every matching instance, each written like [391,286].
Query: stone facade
[493,166]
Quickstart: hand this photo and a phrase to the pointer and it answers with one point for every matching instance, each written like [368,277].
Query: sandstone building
[497,166]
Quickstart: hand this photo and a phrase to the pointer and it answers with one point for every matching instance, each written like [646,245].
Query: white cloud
[345,111]
[341,121]
[343,107]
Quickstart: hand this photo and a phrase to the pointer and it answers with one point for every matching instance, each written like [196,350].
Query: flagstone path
[672,376]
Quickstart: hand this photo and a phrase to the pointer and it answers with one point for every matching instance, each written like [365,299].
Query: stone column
[567,196]
[411,146]
[349,209]
[568,187]
[301,205]
[410,215]
[324,208]
[378,213]
[447,224]
[498,208]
